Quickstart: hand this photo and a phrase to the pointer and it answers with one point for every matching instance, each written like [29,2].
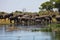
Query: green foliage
[56,1]
[47,5]
[47,13]
[3,13]
[58,25]
[46,29]
[18,11]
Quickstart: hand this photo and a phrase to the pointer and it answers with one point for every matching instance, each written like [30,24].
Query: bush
[58,25]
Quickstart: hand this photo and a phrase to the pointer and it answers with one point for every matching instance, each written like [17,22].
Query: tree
[47,5]
[18,11]
[57,4]
[57,1]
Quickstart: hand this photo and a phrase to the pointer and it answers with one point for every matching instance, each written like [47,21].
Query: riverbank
[51,28]
[5,21]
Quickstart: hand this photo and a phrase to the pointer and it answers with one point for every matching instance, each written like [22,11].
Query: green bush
[58,25]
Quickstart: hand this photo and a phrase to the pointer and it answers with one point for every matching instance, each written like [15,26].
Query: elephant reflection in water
[12,28]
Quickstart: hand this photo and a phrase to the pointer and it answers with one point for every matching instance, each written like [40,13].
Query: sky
[19,5]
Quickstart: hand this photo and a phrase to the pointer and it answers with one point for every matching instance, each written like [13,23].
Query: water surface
[24,34]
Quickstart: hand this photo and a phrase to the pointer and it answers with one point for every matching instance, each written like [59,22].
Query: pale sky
[13,5]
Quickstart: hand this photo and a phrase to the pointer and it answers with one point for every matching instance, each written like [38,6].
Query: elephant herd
[25,18]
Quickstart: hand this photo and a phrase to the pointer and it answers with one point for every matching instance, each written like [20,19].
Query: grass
[50,28]
[2,22]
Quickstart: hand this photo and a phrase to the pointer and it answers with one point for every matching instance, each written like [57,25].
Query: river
[24,33]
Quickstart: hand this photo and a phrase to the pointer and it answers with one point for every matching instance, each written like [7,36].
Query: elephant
[13,18]
[58,19]
[8,15]
[1,16]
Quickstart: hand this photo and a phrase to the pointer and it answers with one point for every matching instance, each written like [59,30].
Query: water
[23,34]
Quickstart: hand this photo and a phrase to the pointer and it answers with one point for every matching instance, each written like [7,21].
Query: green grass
[50,28]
